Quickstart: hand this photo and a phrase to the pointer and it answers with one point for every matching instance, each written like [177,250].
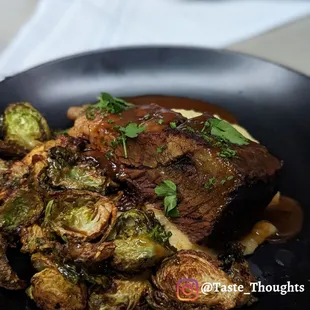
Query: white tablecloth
[63,27]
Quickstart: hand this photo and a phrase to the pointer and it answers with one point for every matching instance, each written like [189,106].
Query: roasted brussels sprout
[123,294]
[12,175]
[80,216]
[24,126]
[203,268]
[21,209]
[70,169]
[51,290]
[8,278]
[140,241]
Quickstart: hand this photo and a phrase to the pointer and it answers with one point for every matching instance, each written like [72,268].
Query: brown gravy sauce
[287,217]
[183,103]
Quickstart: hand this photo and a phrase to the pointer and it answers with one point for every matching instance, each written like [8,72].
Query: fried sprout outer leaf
[21,209]
[8,278]
[80,216]
[86,252]
[12,176]
[124,294]
[51,290]
[36,239]
[24,126]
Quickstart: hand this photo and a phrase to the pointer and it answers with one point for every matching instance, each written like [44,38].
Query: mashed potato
[192,113]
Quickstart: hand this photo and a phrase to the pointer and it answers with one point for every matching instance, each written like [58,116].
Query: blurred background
[35,31]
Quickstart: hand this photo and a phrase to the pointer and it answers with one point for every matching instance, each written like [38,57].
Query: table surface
[288,45]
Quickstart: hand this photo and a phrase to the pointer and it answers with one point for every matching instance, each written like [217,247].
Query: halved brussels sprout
[123,294]
[24,126]
[140,241]
[8,278]
[137,253]
[21,209]
[51,290]
[80,216]
[70,169]
[201,267]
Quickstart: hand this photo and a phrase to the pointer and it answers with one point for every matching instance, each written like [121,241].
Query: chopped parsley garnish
[210,184]
[107,104]
[110,121]
[205,125]
[168,189]
[227,153]
[173,125]
[225,131]
[146,116]
[227,179]
[130,131]
[109,154]
[160,149]
[160,121]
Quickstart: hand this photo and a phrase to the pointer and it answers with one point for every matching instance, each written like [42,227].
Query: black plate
[271,101]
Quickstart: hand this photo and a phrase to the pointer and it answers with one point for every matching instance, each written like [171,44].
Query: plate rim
[153,47]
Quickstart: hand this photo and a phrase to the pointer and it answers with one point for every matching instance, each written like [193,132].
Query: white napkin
[64,27]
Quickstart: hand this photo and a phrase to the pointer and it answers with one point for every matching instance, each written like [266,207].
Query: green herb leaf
[107,103]
[226,131]
[166,188]
[173,125]
[205,125]
[160,149]
[146,116]
[210,184]
[109,154]
[132,130]
[227,153]
[160,121]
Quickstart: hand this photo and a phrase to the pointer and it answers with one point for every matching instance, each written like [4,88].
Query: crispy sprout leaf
[8,278]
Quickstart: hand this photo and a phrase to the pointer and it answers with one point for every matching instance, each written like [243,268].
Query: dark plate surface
[271,101]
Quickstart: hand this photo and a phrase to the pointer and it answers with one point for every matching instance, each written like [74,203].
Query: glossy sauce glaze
[287,217]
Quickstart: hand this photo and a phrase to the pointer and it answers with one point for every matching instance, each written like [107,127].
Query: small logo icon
[187,289]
